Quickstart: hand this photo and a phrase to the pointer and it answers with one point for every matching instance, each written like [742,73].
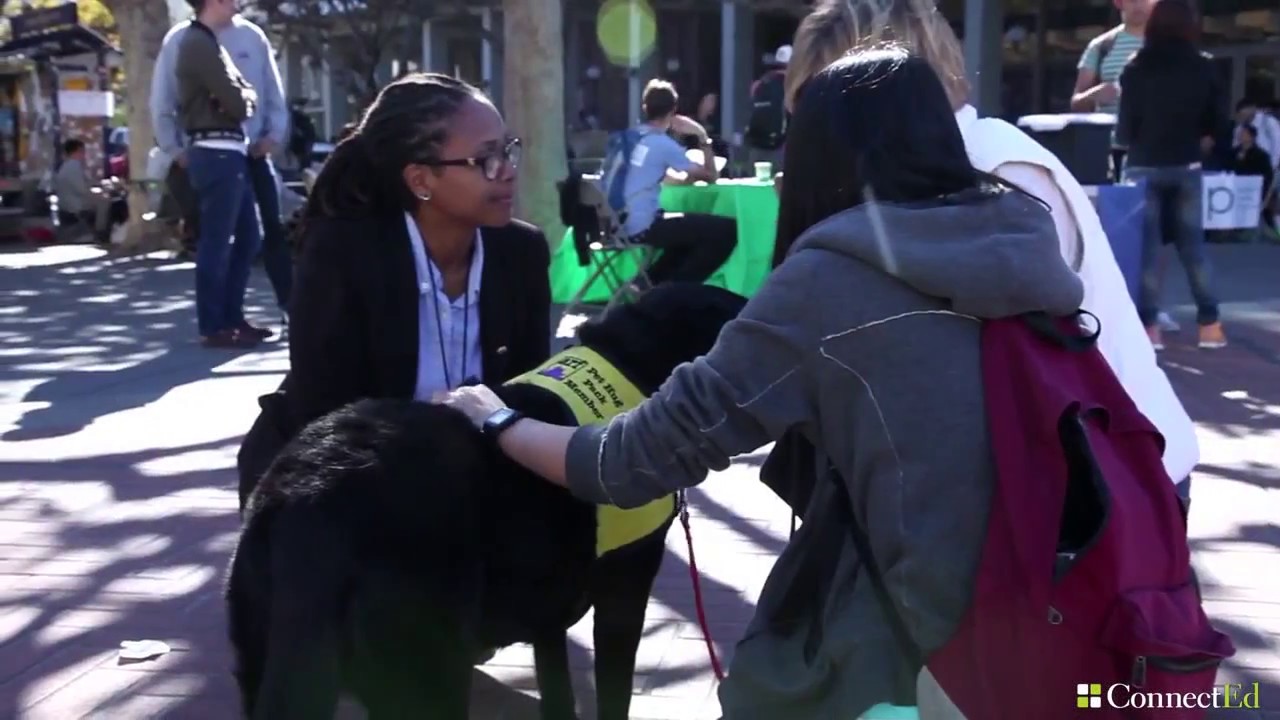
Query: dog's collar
[590,385]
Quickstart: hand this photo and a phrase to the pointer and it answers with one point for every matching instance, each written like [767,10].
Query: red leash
[697,588]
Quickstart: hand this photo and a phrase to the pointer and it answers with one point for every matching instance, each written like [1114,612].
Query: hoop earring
[424,197]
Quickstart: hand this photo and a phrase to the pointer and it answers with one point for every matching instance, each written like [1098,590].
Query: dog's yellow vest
[595,391]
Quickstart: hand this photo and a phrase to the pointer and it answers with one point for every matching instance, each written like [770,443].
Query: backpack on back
[767,124]
[1085,596]
[617,162]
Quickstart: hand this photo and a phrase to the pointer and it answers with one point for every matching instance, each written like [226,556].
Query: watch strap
[495,424]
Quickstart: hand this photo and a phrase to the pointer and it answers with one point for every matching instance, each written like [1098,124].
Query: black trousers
[1117,163]
[693,246]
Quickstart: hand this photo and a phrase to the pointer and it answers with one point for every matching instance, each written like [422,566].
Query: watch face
[500,420]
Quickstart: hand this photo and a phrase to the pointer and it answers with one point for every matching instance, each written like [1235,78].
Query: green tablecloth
[752,203]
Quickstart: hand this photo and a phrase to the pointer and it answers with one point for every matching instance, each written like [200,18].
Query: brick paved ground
[117,442]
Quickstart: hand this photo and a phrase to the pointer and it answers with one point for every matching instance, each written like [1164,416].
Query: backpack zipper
[1139,678]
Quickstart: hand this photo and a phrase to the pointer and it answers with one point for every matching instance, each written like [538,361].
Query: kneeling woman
[866,341]
[412,277]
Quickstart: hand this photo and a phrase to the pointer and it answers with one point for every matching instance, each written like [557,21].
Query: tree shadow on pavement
[109,561]
[1233,395]
[95,335]
[96,552]
[89,561]
[1254,627]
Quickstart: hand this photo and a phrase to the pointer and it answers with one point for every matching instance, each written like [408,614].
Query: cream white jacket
[997,147]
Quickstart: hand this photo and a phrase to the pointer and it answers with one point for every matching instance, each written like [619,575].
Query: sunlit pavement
[118,435]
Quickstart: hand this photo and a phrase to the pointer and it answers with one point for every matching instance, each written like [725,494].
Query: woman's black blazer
[353,329]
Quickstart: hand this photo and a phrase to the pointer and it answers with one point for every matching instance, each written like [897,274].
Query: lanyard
[466,322]
[431,280]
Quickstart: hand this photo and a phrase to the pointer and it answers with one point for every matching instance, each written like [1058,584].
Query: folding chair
[600,241]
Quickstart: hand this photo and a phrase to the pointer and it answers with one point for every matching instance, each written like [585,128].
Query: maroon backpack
[1084,598]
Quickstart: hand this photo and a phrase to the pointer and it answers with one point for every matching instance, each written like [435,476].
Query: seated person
[693,246]
[708,116]
[77,203]
[1251,159]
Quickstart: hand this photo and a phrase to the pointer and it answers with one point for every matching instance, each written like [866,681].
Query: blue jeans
[1174,216]
[275,247]
[229,236]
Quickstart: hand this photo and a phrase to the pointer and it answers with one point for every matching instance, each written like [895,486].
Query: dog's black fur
[389,545]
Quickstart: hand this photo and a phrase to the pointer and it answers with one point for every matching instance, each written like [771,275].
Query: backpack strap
[905,690]
[1105,47]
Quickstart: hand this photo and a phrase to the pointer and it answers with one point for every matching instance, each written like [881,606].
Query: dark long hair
[875,124]
[407,123]
[1174,26]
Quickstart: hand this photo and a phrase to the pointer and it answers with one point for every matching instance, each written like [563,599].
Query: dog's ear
[669,325]
[622,329]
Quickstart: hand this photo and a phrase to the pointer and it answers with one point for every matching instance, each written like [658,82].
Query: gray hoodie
[866,340]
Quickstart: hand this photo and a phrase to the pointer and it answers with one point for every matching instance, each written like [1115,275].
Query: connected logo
[1093,696]
[1089,695]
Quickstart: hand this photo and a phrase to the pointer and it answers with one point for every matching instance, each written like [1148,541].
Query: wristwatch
[498,422]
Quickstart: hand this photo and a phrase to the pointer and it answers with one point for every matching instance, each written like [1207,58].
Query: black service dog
[390,545]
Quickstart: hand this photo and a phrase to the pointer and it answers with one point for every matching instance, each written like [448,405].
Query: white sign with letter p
[1232,202]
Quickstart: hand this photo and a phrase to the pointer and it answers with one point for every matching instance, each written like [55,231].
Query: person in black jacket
[412,276]
[1253,160]
[1171,108]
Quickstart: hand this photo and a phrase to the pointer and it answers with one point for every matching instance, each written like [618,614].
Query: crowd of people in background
[218,108]
[1099,88]
[1171,127]
[1171,114]
[1147,66]
[902,209]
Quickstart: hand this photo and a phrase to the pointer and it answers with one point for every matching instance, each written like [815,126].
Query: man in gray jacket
[265,130]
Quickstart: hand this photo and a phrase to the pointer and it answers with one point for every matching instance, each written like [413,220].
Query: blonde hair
[836,27]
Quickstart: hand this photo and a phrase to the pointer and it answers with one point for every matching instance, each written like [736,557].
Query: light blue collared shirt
[444,364]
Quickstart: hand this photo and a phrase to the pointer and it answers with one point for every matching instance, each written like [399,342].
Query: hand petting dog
[477,402]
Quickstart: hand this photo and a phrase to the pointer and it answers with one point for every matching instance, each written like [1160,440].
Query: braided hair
[407,123]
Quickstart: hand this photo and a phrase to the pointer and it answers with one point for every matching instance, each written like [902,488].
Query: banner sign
[44,20]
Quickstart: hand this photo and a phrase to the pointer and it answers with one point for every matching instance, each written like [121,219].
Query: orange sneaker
[1157,341]
[1212,337]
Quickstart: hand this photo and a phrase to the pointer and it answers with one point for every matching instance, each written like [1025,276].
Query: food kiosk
[54,85]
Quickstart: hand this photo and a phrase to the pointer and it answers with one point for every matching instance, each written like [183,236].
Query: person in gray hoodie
[866,339]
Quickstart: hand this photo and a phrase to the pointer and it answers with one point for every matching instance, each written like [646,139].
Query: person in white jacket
[836,26]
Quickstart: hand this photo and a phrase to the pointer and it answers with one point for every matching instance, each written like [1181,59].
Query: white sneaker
[1167,323]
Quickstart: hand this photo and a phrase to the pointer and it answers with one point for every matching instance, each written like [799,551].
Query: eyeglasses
[490,164]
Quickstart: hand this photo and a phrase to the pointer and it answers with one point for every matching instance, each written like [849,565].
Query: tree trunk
[533,99]
[142,25]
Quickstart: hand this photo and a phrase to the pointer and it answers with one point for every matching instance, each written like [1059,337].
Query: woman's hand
[477,402]
[539,447]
